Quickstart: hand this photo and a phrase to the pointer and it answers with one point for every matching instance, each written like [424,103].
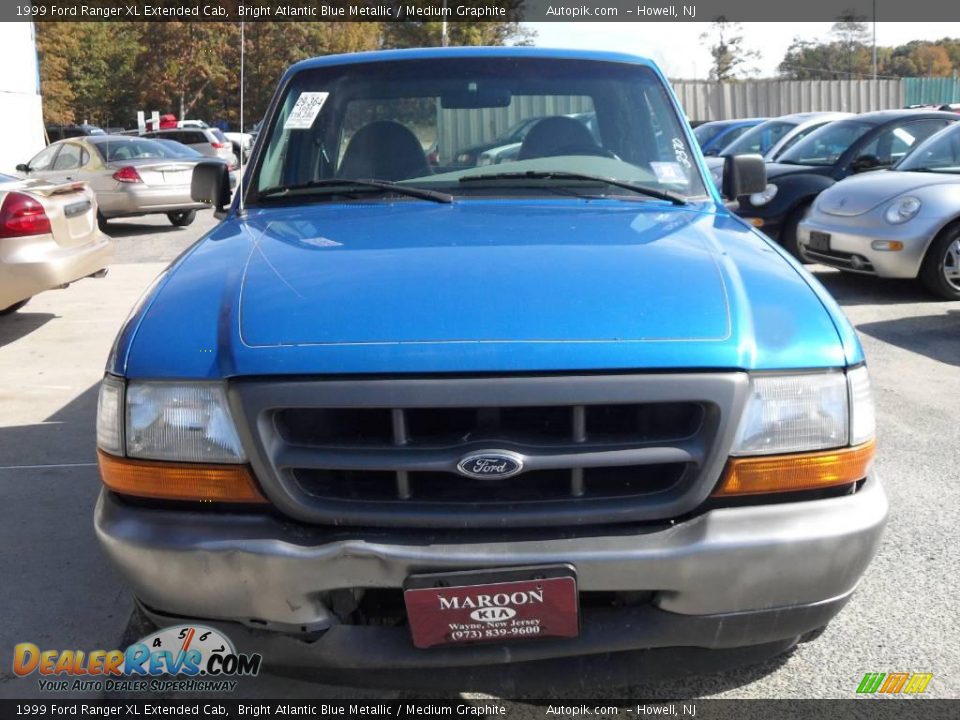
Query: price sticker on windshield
[305,111]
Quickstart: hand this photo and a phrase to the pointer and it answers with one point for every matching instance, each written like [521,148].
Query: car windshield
[121,149]
[405,121]
[826,145]
[708,131]
[941,153]
[759,139]
[8,178]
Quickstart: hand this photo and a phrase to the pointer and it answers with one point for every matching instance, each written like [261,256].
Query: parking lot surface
[60,592]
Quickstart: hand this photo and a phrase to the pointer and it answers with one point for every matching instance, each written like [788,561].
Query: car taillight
[22,215]
[219,145]
[127,174]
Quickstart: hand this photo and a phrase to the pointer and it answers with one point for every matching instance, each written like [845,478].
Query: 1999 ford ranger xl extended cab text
[400,421]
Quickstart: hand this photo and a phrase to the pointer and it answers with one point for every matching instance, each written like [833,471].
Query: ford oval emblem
[493,465]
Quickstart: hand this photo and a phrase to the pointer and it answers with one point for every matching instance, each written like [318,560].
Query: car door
[891,143]
[67,164]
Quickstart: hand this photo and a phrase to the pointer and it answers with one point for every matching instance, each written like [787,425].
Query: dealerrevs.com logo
[181,658]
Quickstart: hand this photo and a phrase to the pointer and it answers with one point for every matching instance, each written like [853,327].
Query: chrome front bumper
[266,573]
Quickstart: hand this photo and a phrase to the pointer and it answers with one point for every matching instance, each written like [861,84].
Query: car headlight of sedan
[173,441]
[717,175]
[902,209]
[802,432]
[765,196]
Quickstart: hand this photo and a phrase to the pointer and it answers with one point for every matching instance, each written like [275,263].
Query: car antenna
[240,210]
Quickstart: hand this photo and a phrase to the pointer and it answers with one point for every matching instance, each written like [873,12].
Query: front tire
[788,234]
[13,308]
[182,218]
[940,271]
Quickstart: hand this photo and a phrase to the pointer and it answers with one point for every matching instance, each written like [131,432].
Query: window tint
[69,157]
[894,143]
[133,149]
[825,146]
[707,132]
[44,159]
[759,138]
[941,153]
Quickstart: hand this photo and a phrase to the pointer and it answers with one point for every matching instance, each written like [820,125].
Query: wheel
[788,233]
[13,308]
[940,271]
[101,222]
[182,218]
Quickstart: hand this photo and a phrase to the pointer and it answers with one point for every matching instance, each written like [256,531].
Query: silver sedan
[131,176]
[900,223]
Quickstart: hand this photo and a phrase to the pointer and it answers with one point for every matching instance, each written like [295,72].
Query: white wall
[21,113]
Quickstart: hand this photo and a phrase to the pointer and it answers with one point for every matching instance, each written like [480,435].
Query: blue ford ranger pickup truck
[397,421]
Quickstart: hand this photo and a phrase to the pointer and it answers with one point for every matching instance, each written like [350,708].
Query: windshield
[708,131]
[407,121]
[759,139]
[941,153]
[121,149]
[826,145]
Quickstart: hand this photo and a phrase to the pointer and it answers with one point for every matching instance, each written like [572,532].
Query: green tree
[730,56]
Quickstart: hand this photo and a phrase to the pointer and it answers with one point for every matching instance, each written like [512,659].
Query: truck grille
[385,452]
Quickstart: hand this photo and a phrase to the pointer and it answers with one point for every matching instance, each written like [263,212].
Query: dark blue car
[477,426]
[714,136]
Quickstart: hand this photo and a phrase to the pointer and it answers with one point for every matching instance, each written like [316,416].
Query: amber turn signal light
[792,473]
[196,482]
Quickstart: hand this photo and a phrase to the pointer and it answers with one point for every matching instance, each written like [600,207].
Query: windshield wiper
[369,185]
[565,175]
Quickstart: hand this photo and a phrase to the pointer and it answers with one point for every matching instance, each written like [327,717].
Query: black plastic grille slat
[538,486]
[444,427]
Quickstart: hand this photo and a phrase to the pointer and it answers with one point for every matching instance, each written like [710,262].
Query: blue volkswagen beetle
[431,425]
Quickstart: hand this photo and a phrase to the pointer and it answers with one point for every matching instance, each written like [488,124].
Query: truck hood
[862,193]
[441,274]
[485,286]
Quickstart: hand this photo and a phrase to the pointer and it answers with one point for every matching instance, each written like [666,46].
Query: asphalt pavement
[58,590]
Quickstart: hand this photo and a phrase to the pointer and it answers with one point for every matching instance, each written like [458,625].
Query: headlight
[717,175]
[762,198]
[484,160]
[901,210]
[794,413]
[167,421]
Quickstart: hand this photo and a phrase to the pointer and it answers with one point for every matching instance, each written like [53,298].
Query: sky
[660,40]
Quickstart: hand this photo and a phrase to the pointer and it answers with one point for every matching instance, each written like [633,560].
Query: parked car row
[876,193]
[131,176]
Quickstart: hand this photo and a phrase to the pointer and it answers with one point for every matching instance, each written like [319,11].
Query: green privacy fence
[931,90]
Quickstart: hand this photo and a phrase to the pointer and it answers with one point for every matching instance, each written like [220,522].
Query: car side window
[44,159]
[895,142]
[69,158]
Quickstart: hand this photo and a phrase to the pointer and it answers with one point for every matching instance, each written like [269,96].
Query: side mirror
[23,167]
[743,175]
[210,184]
[865,163]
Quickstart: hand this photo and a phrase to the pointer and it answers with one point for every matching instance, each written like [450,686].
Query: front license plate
[505,606]
[819,241]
